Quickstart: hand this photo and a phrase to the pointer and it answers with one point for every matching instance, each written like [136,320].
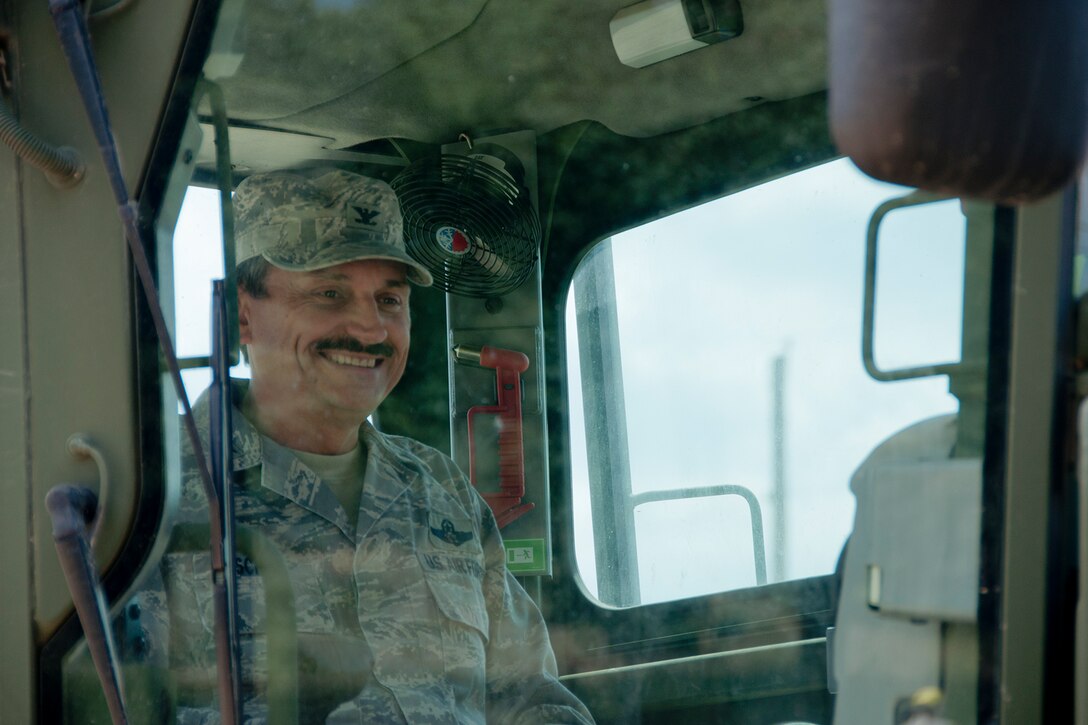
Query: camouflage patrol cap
[302,224]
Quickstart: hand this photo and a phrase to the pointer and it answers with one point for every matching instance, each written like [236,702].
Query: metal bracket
[915,198]
[80,445]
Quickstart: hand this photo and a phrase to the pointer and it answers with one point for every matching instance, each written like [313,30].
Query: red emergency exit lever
[508,365]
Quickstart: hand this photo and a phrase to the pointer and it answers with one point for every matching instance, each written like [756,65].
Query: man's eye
[331,294]
[390,301]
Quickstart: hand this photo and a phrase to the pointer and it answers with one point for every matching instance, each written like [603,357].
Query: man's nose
[365,321]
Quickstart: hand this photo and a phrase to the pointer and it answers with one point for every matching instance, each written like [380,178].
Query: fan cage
[469,223]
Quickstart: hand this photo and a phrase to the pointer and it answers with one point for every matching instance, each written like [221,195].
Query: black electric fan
[469,221]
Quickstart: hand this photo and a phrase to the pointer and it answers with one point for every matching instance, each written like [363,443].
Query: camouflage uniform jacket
[447,635]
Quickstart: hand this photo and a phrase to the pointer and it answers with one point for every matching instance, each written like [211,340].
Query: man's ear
[245,332]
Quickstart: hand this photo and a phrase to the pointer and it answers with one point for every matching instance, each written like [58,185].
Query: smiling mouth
[350,360]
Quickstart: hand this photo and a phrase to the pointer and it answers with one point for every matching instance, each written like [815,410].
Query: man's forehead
[387,272]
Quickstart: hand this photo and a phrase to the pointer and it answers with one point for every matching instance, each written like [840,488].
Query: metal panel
[16,640]
[78,298]
[926,537]
[1037,291]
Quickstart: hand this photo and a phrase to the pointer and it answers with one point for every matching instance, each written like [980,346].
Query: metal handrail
[758,546]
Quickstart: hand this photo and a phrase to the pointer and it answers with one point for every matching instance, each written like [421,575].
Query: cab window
[718,400]
[197,259]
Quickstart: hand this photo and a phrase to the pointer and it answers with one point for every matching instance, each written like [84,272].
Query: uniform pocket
[456,587]
[456,583]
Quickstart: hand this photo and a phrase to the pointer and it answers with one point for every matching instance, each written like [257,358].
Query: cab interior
[599,148]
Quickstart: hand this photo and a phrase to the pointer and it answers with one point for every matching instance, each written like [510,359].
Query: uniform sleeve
[522,681]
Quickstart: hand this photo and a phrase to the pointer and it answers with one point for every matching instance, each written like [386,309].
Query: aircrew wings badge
[447,532]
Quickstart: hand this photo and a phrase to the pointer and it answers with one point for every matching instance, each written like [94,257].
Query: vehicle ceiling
[351,71]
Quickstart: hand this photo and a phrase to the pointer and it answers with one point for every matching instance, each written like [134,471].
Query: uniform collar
[390,468]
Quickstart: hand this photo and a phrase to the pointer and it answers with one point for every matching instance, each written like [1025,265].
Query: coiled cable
[62,165]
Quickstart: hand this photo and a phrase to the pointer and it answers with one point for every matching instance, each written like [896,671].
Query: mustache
[350,344]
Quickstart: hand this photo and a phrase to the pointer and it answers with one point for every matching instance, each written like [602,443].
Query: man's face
[334,341]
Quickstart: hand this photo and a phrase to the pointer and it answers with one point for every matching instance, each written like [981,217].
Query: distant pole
[778,434]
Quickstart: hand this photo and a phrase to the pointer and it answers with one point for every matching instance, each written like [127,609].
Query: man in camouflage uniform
[403,607]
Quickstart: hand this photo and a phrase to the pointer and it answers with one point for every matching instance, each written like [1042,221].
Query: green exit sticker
[525,555]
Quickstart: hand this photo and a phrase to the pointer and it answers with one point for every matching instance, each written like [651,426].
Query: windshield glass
[560,379]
